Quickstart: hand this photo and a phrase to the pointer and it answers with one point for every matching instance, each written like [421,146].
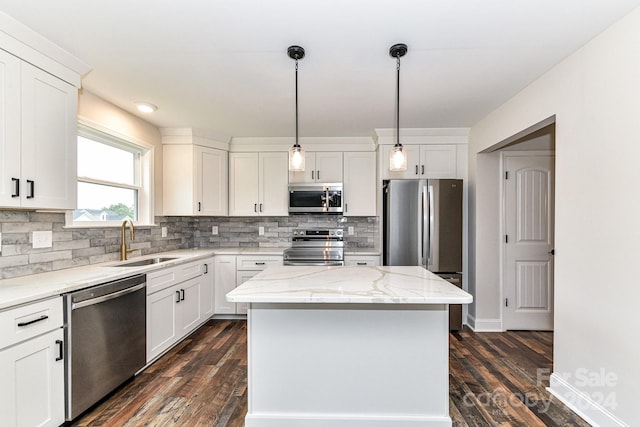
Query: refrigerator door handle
[423,226]
[431,225]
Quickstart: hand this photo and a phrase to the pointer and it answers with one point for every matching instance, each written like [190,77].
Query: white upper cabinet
[194,180]
[423,161]
[360,183]
[320,166]
[258,184]
[37,137]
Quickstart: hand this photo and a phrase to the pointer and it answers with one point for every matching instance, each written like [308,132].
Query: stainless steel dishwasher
[105,339]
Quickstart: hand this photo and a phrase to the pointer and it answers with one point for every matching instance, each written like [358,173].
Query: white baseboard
[484,325]
[582,404]
[343,420]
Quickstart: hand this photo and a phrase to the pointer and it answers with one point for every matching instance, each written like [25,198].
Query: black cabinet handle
[422,169]
[362,263]
[181,294]
[199,206]
[260,263]
[178,300]
[255,207]
[16,193]
[60,350]
[206,268]
[31,322]
[416,169]
[313,175]
[317,174]
[32,189]
[260,207]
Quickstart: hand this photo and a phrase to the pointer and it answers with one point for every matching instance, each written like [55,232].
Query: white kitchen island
[348,346]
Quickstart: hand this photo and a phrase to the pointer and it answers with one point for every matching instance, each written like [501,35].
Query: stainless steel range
[316,247]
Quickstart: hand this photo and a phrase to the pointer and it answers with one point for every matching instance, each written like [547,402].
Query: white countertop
[379,285]
[26,289]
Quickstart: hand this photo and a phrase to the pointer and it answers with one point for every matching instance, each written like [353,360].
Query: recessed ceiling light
[145,107]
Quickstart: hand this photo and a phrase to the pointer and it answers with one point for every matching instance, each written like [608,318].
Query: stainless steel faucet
[123,246]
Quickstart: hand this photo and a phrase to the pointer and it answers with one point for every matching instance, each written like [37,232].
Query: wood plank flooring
[496,379]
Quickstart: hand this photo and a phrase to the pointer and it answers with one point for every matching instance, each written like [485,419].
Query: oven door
[313,256]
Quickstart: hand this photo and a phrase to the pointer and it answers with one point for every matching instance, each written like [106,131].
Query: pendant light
[296,153]
[398,156]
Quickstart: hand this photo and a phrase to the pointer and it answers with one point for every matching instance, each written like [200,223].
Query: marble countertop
[26,289]
[378,285]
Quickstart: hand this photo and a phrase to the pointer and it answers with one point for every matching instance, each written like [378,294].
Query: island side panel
[379,365]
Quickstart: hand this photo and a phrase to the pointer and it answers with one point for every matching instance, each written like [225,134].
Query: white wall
[595,96]
[96,110]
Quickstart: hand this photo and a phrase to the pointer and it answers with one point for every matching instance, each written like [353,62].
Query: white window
[114,180]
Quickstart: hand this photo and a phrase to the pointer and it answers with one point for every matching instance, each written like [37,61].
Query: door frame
[504,154]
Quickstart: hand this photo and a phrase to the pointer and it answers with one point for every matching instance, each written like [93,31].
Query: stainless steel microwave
[315,198]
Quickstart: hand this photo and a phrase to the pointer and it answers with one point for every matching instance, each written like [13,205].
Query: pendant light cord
[398,101]
[297,144]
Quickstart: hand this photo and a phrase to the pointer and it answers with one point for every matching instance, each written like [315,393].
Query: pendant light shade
[398,156]
[296,153]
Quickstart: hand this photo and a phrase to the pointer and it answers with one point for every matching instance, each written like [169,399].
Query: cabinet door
[49,140]
[211,181]
[32,392]
[241,277]
[413,163]
[10,144]
[274,191]
[438,161]
[206,292]
[162,319]
[225,282]
[178,193]
[360,184]
[309,172]
[328,167]
[243,184]
[189,313]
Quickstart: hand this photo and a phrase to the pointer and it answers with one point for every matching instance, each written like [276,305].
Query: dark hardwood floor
[495,379]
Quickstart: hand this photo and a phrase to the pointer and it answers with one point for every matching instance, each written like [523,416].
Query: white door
[212,181]
[10,142]
[360,183]
[328,167]
[273,184]
[225,282]
[162,321]
[189,306]
[243,184]
[529,225]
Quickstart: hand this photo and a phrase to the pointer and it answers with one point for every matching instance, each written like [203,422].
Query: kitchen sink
[140,263]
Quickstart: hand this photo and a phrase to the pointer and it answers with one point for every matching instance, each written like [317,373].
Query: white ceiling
[221,66]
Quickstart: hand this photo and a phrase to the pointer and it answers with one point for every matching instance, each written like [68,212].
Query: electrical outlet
[351,231]
[164,231]
[260,231]
[214,230]
[42,239]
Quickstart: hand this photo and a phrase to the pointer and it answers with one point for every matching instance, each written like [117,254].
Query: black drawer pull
[31,322]
[181,294]
[17,187]
[32,189]
[178,300]
[60,350]
[362,263]
[260,263]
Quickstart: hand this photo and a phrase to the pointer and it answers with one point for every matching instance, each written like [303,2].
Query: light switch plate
[164,231]
[260,231]
[351,231]
[214,230]
[42,239]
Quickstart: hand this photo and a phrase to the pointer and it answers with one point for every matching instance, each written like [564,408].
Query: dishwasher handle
[107,297]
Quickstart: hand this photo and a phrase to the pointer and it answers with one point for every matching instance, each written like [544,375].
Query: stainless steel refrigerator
[423,226]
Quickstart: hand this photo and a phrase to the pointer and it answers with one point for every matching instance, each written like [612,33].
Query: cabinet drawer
[246,262]
[361,260]
[162,279]
[27,321]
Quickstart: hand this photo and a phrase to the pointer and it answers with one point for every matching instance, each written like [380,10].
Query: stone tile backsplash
[74,247]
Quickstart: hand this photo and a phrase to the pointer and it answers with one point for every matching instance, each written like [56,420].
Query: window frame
[143,173]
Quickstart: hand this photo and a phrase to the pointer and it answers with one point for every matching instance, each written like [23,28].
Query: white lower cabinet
[232,271]
[361,260]
[32,365]
[178,306]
